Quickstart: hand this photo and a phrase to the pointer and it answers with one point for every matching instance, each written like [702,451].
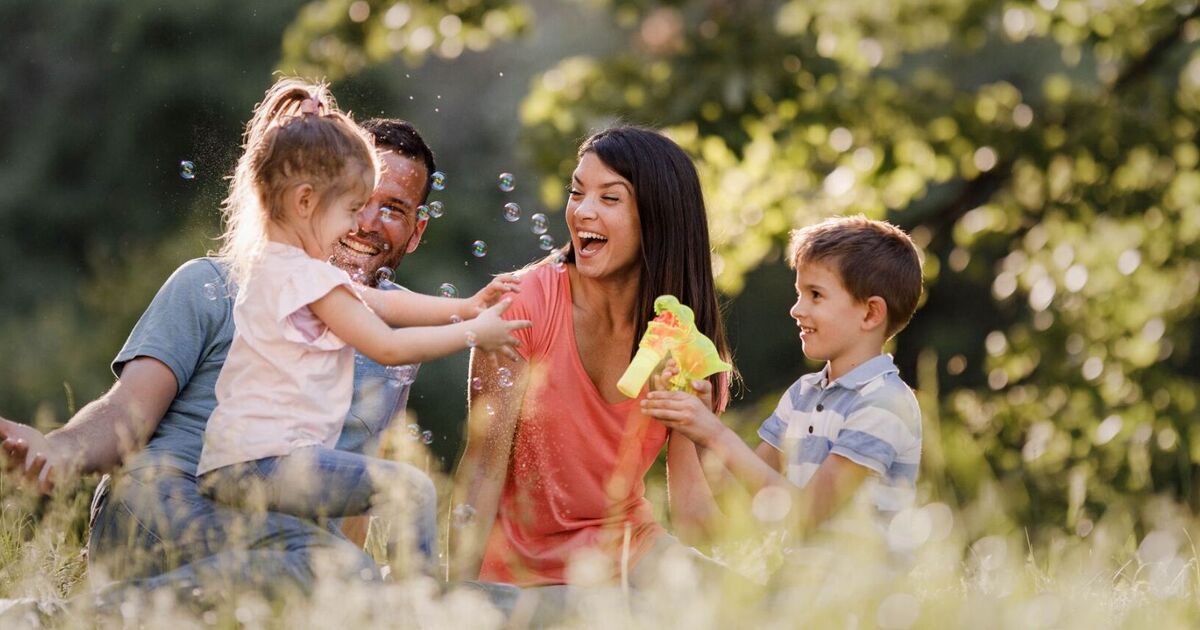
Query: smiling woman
[556,456]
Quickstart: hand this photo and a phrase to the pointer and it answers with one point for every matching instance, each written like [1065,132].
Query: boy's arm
[834,482]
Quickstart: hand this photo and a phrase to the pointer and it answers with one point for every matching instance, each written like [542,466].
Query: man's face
[388,227]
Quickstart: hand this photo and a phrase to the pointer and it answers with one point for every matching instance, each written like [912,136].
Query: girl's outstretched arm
[405,308]
[355,324]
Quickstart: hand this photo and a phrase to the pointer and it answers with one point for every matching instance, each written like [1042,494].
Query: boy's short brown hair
[873,258]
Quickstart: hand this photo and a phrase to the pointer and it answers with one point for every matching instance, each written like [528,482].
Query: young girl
[286,386]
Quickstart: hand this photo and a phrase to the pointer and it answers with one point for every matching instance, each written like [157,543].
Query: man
[151,527]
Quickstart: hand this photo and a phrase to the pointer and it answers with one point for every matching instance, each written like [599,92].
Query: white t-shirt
[288,380]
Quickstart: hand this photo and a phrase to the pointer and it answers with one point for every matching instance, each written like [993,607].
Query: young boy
[852,426]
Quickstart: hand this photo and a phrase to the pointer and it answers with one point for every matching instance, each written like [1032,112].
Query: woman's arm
[694,511]
[355,324]
[494,411]
[405,308]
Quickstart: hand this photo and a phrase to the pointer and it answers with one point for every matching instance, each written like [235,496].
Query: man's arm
[100,435]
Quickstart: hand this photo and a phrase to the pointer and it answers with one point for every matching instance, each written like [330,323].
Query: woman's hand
[686,413]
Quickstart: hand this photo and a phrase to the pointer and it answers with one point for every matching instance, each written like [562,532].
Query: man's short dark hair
[403,138]
[873,258]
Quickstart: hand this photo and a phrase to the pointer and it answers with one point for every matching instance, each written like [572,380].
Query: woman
[556,456]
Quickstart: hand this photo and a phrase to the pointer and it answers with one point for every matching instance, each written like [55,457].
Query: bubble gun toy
[672,332]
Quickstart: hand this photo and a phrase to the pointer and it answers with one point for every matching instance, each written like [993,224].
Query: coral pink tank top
[575,479]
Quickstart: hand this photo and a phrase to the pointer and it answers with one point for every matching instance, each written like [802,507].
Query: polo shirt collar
[861,375]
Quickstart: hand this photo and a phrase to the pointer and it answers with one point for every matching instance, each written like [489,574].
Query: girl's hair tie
[309,106]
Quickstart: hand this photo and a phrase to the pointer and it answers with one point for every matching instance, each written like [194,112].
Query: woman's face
[602,215]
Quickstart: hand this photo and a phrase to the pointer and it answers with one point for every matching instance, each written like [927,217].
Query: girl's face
[337,217]
[602,216]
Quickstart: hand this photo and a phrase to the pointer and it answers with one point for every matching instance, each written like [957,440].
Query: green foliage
[1042,153]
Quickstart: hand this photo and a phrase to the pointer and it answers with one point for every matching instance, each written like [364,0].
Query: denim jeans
[318,482]
[155,529]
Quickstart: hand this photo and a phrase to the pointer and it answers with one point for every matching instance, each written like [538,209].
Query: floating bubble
[436,209]
[187,170]
[414,432]
[507,182]
[437,181]
[383,274]
[479,249]
[546,242]
[540,223]
[504,377]
[472,341]
[448,290]
[560,263]
[427,437]
[462,515]
[476,384]
[423,212]
[211,292]
[455,319]
[512,212]
[387,214]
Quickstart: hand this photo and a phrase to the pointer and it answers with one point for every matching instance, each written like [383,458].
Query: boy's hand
[489,295]
[492,333]
[689,414]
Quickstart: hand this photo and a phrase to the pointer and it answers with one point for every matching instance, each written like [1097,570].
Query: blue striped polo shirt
[868,416]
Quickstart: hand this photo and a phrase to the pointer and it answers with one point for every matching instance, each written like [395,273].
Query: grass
[932,570]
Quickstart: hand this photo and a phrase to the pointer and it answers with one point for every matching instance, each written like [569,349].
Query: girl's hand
[489,295]
[492,333]
[687,413]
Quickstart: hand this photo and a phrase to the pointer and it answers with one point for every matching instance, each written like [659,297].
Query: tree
[1042,153]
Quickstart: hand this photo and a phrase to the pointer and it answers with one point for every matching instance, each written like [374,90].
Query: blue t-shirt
[189,327]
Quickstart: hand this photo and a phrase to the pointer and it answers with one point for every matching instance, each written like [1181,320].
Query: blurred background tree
[1042,154]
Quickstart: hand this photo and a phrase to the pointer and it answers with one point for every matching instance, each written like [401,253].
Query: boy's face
[830,319]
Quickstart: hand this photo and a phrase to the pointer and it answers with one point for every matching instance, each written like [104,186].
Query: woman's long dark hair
[676,255]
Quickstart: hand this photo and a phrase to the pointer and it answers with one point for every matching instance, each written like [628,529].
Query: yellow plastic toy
[672,332]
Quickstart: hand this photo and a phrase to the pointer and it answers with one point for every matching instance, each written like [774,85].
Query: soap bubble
[479,249]
[560,263]
[435,209]
[427,437]
[507,182]
[383,274]
[422,211]
[546,242]
[437,181]
[476,384]
[455,319]
[512,212]
[471,340]
[387,214]
[540,223]
[414,432]
[504,377]
[187,170]
[211,292]
[462,515]
[448,290]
